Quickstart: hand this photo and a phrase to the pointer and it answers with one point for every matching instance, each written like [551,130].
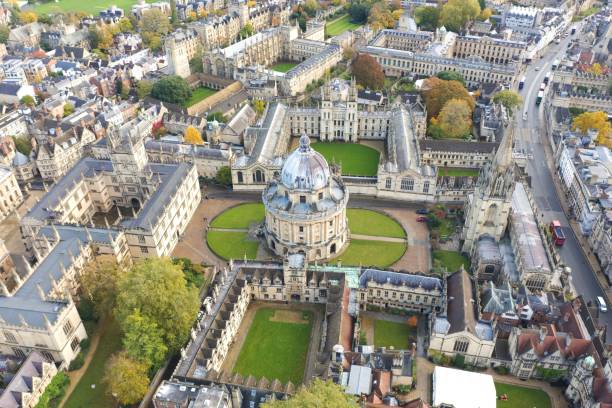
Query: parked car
[602,304]
[421,219]
[422,211]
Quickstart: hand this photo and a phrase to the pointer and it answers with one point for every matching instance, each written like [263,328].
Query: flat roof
[463,389]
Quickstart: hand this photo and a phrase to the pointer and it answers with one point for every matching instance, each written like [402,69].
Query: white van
[602,304]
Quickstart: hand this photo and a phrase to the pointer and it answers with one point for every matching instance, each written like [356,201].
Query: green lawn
[583,14]
[199,94]
[239,217]
[356,159]
[232,245]
[457,172]
[275,350]
[368,222]
[447,227]
[451,260]
[91,6]
[522,397]
[283,66]
[86,396]
[372,253]
[387,334]
[340,25]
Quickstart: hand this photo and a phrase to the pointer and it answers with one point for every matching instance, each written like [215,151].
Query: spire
[503,155]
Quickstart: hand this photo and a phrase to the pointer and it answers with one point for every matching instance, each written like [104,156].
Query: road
[531,136]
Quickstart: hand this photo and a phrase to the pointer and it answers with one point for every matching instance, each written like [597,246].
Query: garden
[283,66]
[228,235]
[199,94]
[340,25]
[400,336]
[521,396]
[378,254]
[90,7]
[368,222]
[355,159]
[276,345]
[451,260]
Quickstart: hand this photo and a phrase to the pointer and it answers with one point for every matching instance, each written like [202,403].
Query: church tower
[487,209]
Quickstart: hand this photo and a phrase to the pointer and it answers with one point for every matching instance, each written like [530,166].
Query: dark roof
[395,278]
[8,88]
[447,145]
[461,309]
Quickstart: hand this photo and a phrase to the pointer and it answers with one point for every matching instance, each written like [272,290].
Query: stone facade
[10,194]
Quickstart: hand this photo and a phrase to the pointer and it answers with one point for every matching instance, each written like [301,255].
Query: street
[532,137]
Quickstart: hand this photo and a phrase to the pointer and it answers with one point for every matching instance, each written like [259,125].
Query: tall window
[67,328]
[426,186]
[19,352]
[461,345]
[10,337]
[407,184]
[240,177]
[388,183]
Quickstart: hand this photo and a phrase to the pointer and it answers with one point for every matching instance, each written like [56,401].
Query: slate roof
[395,278]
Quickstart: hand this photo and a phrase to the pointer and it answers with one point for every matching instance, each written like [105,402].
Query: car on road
[601,303]
[525,115]
[421,219]
[537,68]
[422,211]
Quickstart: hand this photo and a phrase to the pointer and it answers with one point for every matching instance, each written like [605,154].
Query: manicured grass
[275,349]
[451,260]
[356,159]
[84,395]
[283,66]
[240,216]
[232,245]
[371,253]
[199,94]
[91,6]
[368,222]
[387,334]
[522,397]
[340,25]
[457,172]
[447,227]
[583,14]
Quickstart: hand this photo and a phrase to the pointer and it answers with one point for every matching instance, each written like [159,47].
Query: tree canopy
[456,13]
[158,290]
[437,92]
[427,17]
[99,283]
[318,394]
[595,120]
[224,176]
[451,76]
[508,98]
[4,33]
[172,89]
[192,136]
[126,379]
[455,119]
[368,72]
[143,340]
[28,100]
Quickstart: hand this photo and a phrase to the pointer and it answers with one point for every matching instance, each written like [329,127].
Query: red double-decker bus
[557,233]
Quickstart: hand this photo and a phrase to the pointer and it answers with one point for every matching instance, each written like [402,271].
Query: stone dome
[305,168]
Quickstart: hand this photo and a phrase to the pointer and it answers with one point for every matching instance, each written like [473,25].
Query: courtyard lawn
[239,217]
[199,94]
[231,245]
[356,159]
[522,397]
[340,25]
[283,66]
[451,260]
[392,334]
[457,172]
[84,395]
[368,222]
[274,349]
[372,253]
[90,7]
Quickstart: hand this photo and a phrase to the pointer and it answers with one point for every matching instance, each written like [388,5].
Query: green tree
[318,394]
[218,116]
[455,119]
[28,100]
[143,88]
[125,25]
[126,379]
[195,63]
[68,109]
[224,176]
[99,284]
[456,13]
[359,12]
[311,7]
[53,394]
[23,146]
[368,72]
[172,89]
[451,76]
[143,340]
[437,92]
[4,33]
[508,98]
[247,30]
[259,105]
[154,21]
[158,290]
[427,17]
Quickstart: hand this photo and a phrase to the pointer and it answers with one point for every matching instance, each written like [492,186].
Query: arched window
[240,177]
[259,176]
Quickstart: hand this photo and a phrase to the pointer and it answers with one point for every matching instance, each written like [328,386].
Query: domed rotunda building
[306,207]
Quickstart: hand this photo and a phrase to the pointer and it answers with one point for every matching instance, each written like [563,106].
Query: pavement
[532,135]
